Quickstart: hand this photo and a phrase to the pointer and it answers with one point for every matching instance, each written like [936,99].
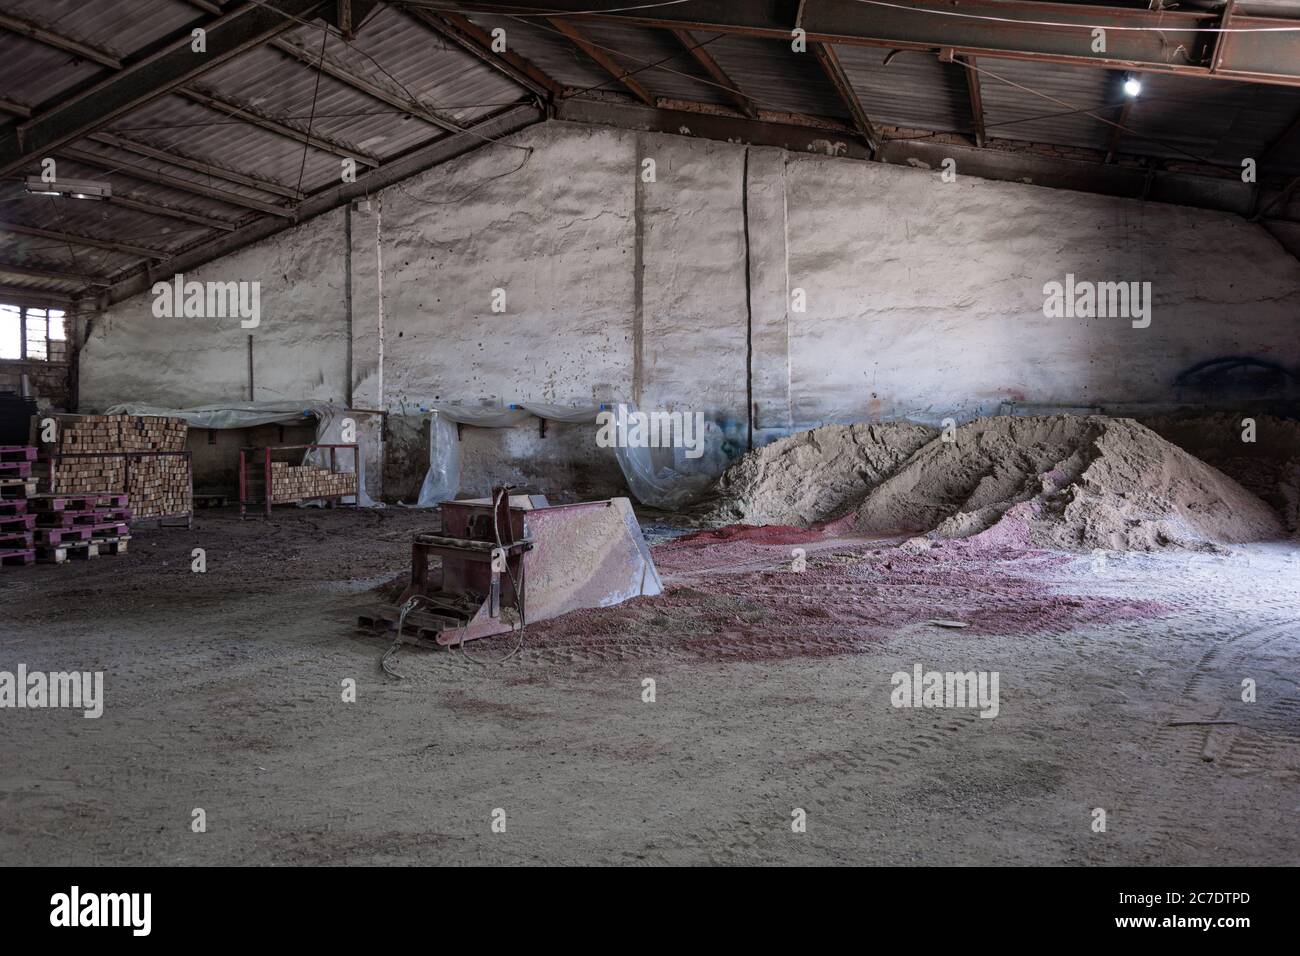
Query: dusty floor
[773,693]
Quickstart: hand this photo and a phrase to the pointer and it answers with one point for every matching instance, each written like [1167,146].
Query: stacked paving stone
[291,483]
[128,457]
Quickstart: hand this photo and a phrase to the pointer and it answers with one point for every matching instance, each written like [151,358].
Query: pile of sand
[1057,481]
[1269,466]
[814,475]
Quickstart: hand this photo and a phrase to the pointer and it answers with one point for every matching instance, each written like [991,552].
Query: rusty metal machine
[509,560]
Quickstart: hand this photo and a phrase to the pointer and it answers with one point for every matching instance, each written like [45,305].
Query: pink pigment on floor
[731,595]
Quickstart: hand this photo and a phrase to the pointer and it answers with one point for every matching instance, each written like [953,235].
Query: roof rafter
[830,64]
[114,165]
[1266,55]
[710,65]
[126,248]
[156,75]
[473,40]
[195,165]
[58,41]
[249,115]
[603,60]
[362,85]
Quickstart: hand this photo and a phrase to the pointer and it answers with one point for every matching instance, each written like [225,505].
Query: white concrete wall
[925,298]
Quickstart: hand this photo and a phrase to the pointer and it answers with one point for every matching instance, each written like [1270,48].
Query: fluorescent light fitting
[72,188]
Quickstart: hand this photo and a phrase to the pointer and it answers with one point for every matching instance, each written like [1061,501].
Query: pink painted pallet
[19,557]
[17,453]
[78,502]
[13,506]
[53,537]
[15,469]
[11,540]
[21,522]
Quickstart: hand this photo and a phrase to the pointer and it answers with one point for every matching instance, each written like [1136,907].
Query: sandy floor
[773,693]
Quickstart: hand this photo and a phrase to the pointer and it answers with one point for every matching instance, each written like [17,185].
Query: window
[32,335]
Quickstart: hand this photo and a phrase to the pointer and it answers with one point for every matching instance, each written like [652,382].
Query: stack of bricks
[80,526]
[160,485]
[125,450]
[17,486]
[303,482]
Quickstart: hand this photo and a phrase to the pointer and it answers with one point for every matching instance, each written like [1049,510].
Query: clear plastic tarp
[652,482]
[329,427]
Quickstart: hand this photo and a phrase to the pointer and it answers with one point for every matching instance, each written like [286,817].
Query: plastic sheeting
[667,487]
[329,428]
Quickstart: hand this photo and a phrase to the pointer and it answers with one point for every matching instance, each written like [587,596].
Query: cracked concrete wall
[924,299]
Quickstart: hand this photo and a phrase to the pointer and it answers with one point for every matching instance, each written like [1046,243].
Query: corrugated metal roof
[776,77]
[1060,115]
[552,53]
[1175,118]
[111,26]
[915,89]
[175,123]
[678,74]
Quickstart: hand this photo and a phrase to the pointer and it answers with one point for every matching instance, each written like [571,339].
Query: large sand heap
[1269,466]
[1051,481]
[1093,482]
[815,475]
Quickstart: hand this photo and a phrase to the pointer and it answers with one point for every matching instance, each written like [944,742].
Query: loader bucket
[506,558]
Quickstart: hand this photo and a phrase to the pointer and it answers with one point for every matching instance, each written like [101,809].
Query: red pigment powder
[733,596]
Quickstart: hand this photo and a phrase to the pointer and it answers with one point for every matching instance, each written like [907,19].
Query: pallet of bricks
[17,523]
[290,483]
[143,456]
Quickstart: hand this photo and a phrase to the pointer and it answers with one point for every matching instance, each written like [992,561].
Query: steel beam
[57,41]
[126,248]
[247,115]
[195,165]
[34,298]
[171,212]
[797,134]
[1170,35]
[969,67]
[711,67]
[15,109]
[234,33]
[473,40]
[37,273]
[362,85]
[830,64]
[603,60]
[158,178]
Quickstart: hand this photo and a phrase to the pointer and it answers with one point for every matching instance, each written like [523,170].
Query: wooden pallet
[15,540]
[62,554]
[82,550]
[21,557]
[15,469]
[17,487]
[13,506]
[15,523]
[17,453]
[58,537]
